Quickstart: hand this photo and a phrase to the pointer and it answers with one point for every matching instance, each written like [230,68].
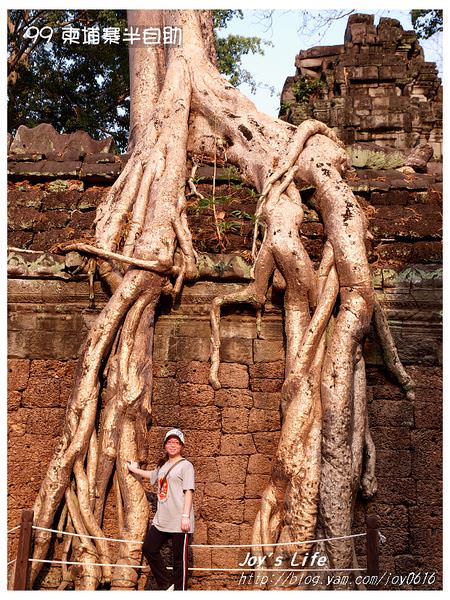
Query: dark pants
[151,550]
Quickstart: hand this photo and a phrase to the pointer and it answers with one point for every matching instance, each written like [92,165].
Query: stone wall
[232,433]
[375,87]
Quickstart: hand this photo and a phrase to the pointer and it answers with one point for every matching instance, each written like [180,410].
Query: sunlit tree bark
[182,107]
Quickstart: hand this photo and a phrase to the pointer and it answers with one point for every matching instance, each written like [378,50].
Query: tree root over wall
[325,453]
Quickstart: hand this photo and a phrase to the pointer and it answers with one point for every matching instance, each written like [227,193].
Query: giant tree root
[182,105]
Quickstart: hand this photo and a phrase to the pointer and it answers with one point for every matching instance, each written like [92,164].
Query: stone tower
[375,87]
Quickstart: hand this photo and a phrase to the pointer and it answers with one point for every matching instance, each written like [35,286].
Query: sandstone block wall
[232,433]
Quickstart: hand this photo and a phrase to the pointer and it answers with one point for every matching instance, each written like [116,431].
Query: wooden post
[373,563]
[22,570]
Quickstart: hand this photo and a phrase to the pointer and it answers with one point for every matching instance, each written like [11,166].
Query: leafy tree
[71,86]
[427,22]
[232,48]
[86,86]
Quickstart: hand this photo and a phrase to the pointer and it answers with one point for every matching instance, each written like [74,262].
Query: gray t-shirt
[171,495]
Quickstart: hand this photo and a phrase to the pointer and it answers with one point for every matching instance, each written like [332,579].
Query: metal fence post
[22,570]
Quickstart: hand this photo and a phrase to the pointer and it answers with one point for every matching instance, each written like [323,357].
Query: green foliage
[306,89]
[230,51]
[285,106]
[427,22]
[242,214]
[86,86]
[222,17]
[232,48]
[71,86]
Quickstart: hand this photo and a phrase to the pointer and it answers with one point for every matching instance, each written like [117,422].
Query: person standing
[174,517]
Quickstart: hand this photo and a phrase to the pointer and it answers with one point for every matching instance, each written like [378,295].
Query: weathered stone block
[267,400]
[426,454]
[235,444]
[91,198]
[364,73]
[267,370]
[187,348]
[394,463]
[426,542]
[32,198]
[68,200]
[266,385]
[18,373]
[429,493]
[24,218]
[228,558]
[205,470]
[100,172]
[251,508]
[397,490]
[42,421]
[397,540]
[233,398]
[196,395]
[228,511]
[245,533]
[223,533]
[225,490]
[203,417]
[394,413]
[392,72]
[232,375]
[193,372]
[426,517]
[264,420]
[232,469]
[162,417]
[201,557]
[267,442]
[259,463]
[235,420]
[392,438]
[165,391]
[236,350]
[79,220]
[255,485]
[164,369]
[57,369]
[14,399]
[44,139]
[43,392]
[268,350]
[20,239]
[202,443]
[428,415]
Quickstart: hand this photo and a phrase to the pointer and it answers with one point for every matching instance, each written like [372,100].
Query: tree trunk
[181,106]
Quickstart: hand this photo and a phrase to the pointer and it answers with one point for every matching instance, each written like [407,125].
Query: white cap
[175,433]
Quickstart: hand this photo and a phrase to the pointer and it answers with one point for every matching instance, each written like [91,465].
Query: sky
[283,30]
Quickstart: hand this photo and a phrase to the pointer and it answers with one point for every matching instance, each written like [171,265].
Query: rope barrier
[63,562]
[13,529]
[92,537]
[237,569]
[296,543]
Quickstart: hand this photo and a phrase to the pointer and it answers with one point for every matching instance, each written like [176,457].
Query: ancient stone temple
[55,184]
[375,87]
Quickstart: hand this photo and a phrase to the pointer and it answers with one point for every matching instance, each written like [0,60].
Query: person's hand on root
[132,465]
